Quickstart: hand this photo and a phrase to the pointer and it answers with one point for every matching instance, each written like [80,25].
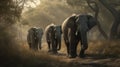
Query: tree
[114,33]
[111,5]
[95,8]
[10,10]
[93,5]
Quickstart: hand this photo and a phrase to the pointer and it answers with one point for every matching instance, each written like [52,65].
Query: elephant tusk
[76,33]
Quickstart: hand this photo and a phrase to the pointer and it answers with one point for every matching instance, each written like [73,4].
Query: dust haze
[15,51]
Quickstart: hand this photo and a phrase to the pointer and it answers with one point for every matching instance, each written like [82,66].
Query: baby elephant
[34,38]
[53,38]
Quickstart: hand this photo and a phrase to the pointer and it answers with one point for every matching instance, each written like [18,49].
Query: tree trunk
[114,29]
[96,10]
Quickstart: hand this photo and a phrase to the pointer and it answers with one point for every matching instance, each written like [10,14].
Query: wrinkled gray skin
[34,38]
[75,29]
[53,38]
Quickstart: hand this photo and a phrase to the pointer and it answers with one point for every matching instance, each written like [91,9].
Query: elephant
[53,38]
[75,29]
[34,38]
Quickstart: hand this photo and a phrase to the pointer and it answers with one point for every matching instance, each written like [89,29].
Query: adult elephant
[53,38]
[75,29]
[34,38]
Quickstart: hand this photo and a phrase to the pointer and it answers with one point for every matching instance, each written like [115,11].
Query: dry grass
[100,47]
[22,56]
[105,47]
[17,54]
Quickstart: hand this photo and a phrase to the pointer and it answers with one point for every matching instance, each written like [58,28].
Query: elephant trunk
[59,44]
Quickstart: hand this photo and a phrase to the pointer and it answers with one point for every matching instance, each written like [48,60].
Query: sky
[30,4]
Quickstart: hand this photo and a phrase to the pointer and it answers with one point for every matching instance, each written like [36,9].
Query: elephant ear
[84,23]
[81,23]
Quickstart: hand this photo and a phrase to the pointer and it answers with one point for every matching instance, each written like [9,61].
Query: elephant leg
[35,47]
[49,46]
[54,47]
[67,44]
[84,44]
[32,46]
[37,44]
[73,46]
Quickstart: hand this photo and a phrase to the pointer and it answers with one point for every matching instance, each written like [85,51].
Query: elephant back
[40,31]
[49,30]
[69,23]
[58,30]
[32,35]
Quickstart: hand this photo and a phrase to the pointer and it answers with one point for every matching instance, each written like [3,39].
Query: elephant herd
[53,38]
[74,30]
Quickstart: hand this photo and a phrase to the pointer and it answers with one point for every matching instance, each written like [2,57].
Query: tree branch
[110,8]
[116,14]
[96,10]
[95,4]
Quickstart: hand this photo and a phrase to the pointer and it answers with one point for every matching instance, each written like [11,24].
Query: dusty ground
[91,60]
[98,55]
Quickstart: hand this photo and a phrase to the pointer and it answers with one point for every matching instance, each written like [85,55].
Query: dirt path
[91,60]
